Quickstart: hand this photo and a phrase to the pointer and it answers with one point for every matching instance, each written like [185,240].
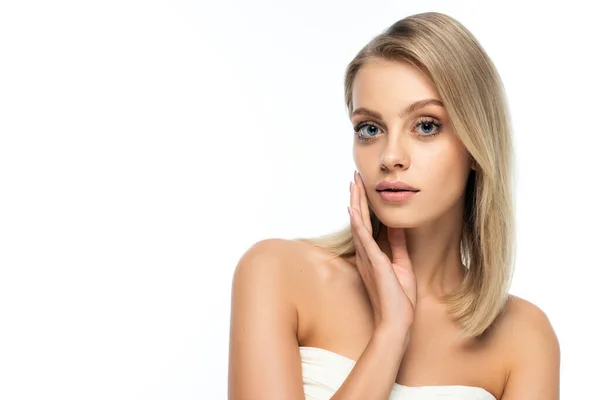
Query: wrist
[395,336]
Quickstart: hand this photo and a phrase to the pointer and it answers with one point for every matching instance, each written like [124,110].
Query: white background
[145,145]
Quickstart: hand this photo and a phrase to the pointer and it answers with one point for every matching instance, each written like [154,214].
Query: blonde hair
[472,92]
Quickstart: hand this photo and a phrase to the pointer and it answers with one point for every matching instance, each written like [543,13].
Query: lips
[396,195]
[394,186]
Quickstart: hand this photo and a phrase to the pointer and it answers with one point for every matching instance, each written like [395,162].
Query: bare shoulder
[268,284]
[268,248]
[525,322]
[265,264]
[308,276]
[533,351]
[295,270]
[294,257]
[289,260]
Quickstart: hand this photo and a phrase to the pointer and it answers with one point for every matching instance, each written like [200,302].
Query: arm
[534,373]
[375,371]
[264,360]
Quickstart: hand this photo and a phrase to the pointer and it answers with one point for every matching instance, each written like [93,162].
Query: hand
[390,285]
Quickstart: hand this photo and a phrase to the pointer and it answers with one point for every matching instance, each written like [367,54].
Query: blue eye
[430,126]
[370,133]
[426,127]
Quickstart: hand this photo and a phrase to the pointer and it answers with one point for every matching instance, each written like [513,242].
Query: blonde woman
[411,300]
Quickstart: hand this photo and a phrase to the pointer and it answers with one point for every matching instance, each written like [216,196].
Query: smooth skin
[390,284]
[288,293]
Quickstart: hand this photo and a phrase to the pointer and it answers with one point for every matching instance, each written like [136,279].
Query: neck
[434,251]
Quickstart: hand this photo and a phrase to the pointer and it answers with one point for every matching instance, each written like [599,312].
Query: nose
[395,154]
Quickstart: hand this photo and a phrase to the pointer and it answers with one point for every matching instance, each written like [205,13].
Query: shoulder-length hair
[473,94]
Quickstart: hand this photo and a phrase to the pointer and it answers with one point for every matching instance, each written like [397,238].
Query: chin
[399,219]
[402,224]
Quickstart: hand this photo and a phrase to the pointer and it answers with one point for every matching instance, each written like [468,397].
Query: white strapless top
[323,372]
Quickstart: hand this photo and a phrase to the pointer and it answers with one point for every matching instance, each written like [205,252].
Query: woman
[410,301]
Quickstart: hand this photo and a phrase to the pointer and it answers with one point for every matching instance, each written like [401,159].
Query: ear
[473,163]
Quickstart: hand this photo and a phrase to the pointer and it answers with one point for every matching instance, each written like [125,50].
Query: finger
[367,247]
[355,221]
[354,204]
[363,264]
[360,203]
[397,241]
[371,249]
[362,261]
[364,202]
[360,221]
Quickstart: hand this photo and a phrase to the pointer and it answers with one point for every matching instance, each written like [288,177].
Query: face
[398,141]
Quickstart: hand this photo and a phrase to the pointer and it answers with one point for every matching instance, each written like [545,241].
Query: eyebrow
[411,108]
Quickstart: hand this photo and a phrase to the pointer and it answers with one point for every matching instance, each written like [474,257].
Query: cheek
[446,171]
[366,159]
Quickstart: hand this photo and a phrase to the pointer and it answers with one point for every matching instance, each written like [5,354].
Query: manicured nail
[350,211]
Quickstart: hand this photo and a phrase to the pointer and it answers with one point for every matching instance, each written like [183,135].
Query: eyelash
[420,121]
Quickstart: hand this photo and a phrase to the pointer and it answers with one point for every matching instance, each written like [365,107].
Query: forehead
[383,84]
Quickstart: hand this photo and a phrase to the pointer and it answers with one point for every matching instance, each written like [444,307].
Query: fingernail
[350,187]
[349,211]
[355,175]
